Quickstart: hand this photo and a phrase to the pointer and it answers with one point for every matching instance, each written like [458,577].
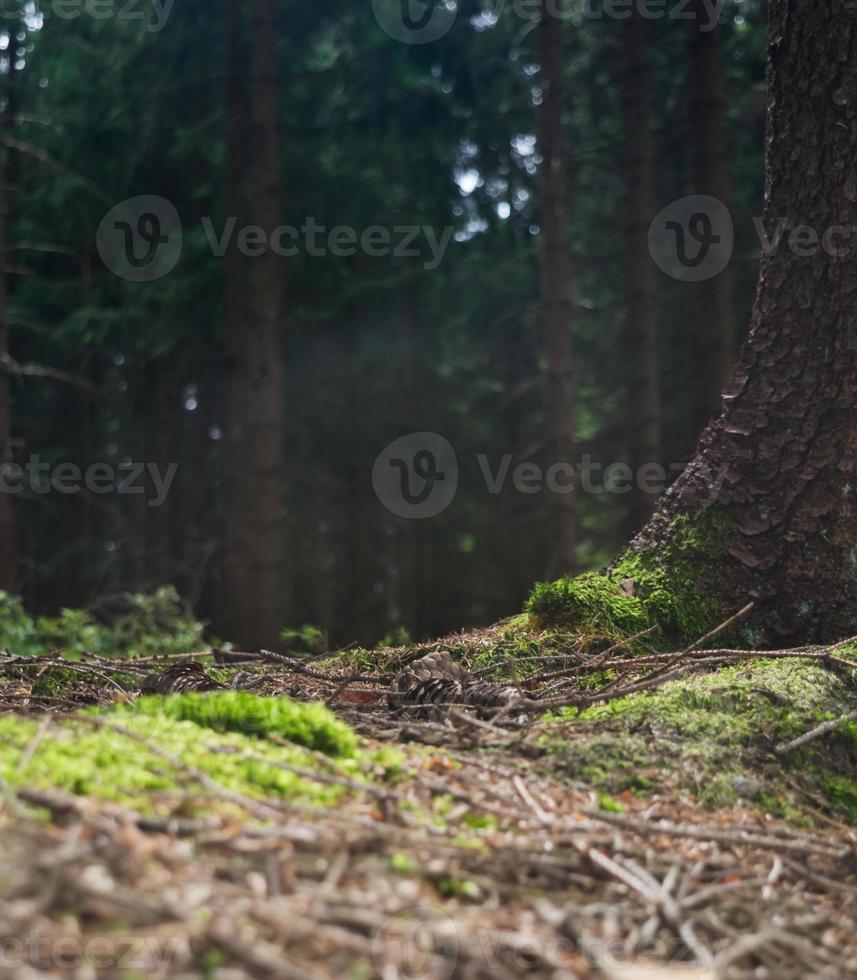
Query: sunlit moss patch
[310,725]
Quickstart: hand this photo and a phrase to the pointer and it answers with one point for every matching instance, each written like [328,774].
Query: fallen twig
[819,732]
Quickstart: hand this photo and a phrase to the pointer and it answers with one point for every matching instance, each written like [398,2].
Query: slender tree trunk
[238,536]
[556,296]
[267,354]
[640,284]
[9,558]
[778,470]
[715,314]
[254,311]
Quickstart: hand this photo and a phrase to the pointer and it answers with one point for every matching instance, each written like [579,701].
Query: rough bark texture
[556,287]
[785,447]
[715,317]
[254,309]
[640,284]
[8,540]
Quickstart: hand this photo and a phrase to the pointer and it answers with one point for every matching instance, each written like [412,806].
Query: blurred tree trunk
[254,313]
[777,473]
[640,284]
[166,531]
[9,556]
[556,289]
[715,314]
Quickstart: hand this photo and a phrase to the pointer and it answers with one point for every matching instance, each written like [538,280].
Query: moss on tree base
[665,586]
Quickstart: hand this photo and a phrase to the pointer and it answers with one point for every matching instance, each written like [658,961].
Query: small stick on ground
[708,636]
[816,733]
[736,838]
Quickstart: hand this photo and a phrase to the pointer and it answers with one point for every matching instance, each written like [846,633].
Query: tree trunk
[556,297]
[640,283]
[238,510]
[254,311]
[715,316]
[8,539]
[778,470]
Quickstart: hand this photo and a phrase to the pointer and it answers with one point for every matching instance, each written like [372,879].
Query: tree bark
[715,316]
[255,591]
[778,469]
[640,283]
[556,298]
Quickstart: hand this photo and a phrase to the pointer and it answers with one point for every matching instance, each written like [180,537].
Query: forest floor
[633,814]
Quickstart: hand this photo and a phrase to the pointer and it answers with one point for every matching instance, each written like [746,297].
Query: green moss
[310,725]
[610,805]
[592,600]
[403,864]
[486,650]
[361,659]
[736,705]
[842,793]
[666,588]
[510,642]
[53,682]
[213,960]
[719,793]
[714,734]
[459,888]
[778,805]
[480,821]
[84,760]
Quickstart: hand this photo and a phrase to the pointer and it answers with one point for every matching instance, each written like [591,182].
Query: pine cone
[433,665]
[245,681]
[423,688]
[180,678]
[424,699]
[488,696]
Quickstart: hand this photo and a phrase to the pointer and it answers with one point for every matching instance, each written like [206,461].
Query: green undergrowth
[713,735]
[139,625]
[307,641]
[515,644]
[642,589]
[310,725]
[109,764]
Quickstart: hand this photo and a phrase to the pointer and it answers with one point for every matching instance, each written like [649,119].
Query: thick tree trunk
[254,310]
[640,283]
[556,296]
[8,538]
[778,470]
[715,316]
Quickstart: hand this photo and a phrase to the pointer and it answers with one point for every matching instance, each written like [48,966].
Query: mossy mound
[107,764]
[222,735]
[484,649]
[642,589]
[714,736]
[310,725]
[591,600]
